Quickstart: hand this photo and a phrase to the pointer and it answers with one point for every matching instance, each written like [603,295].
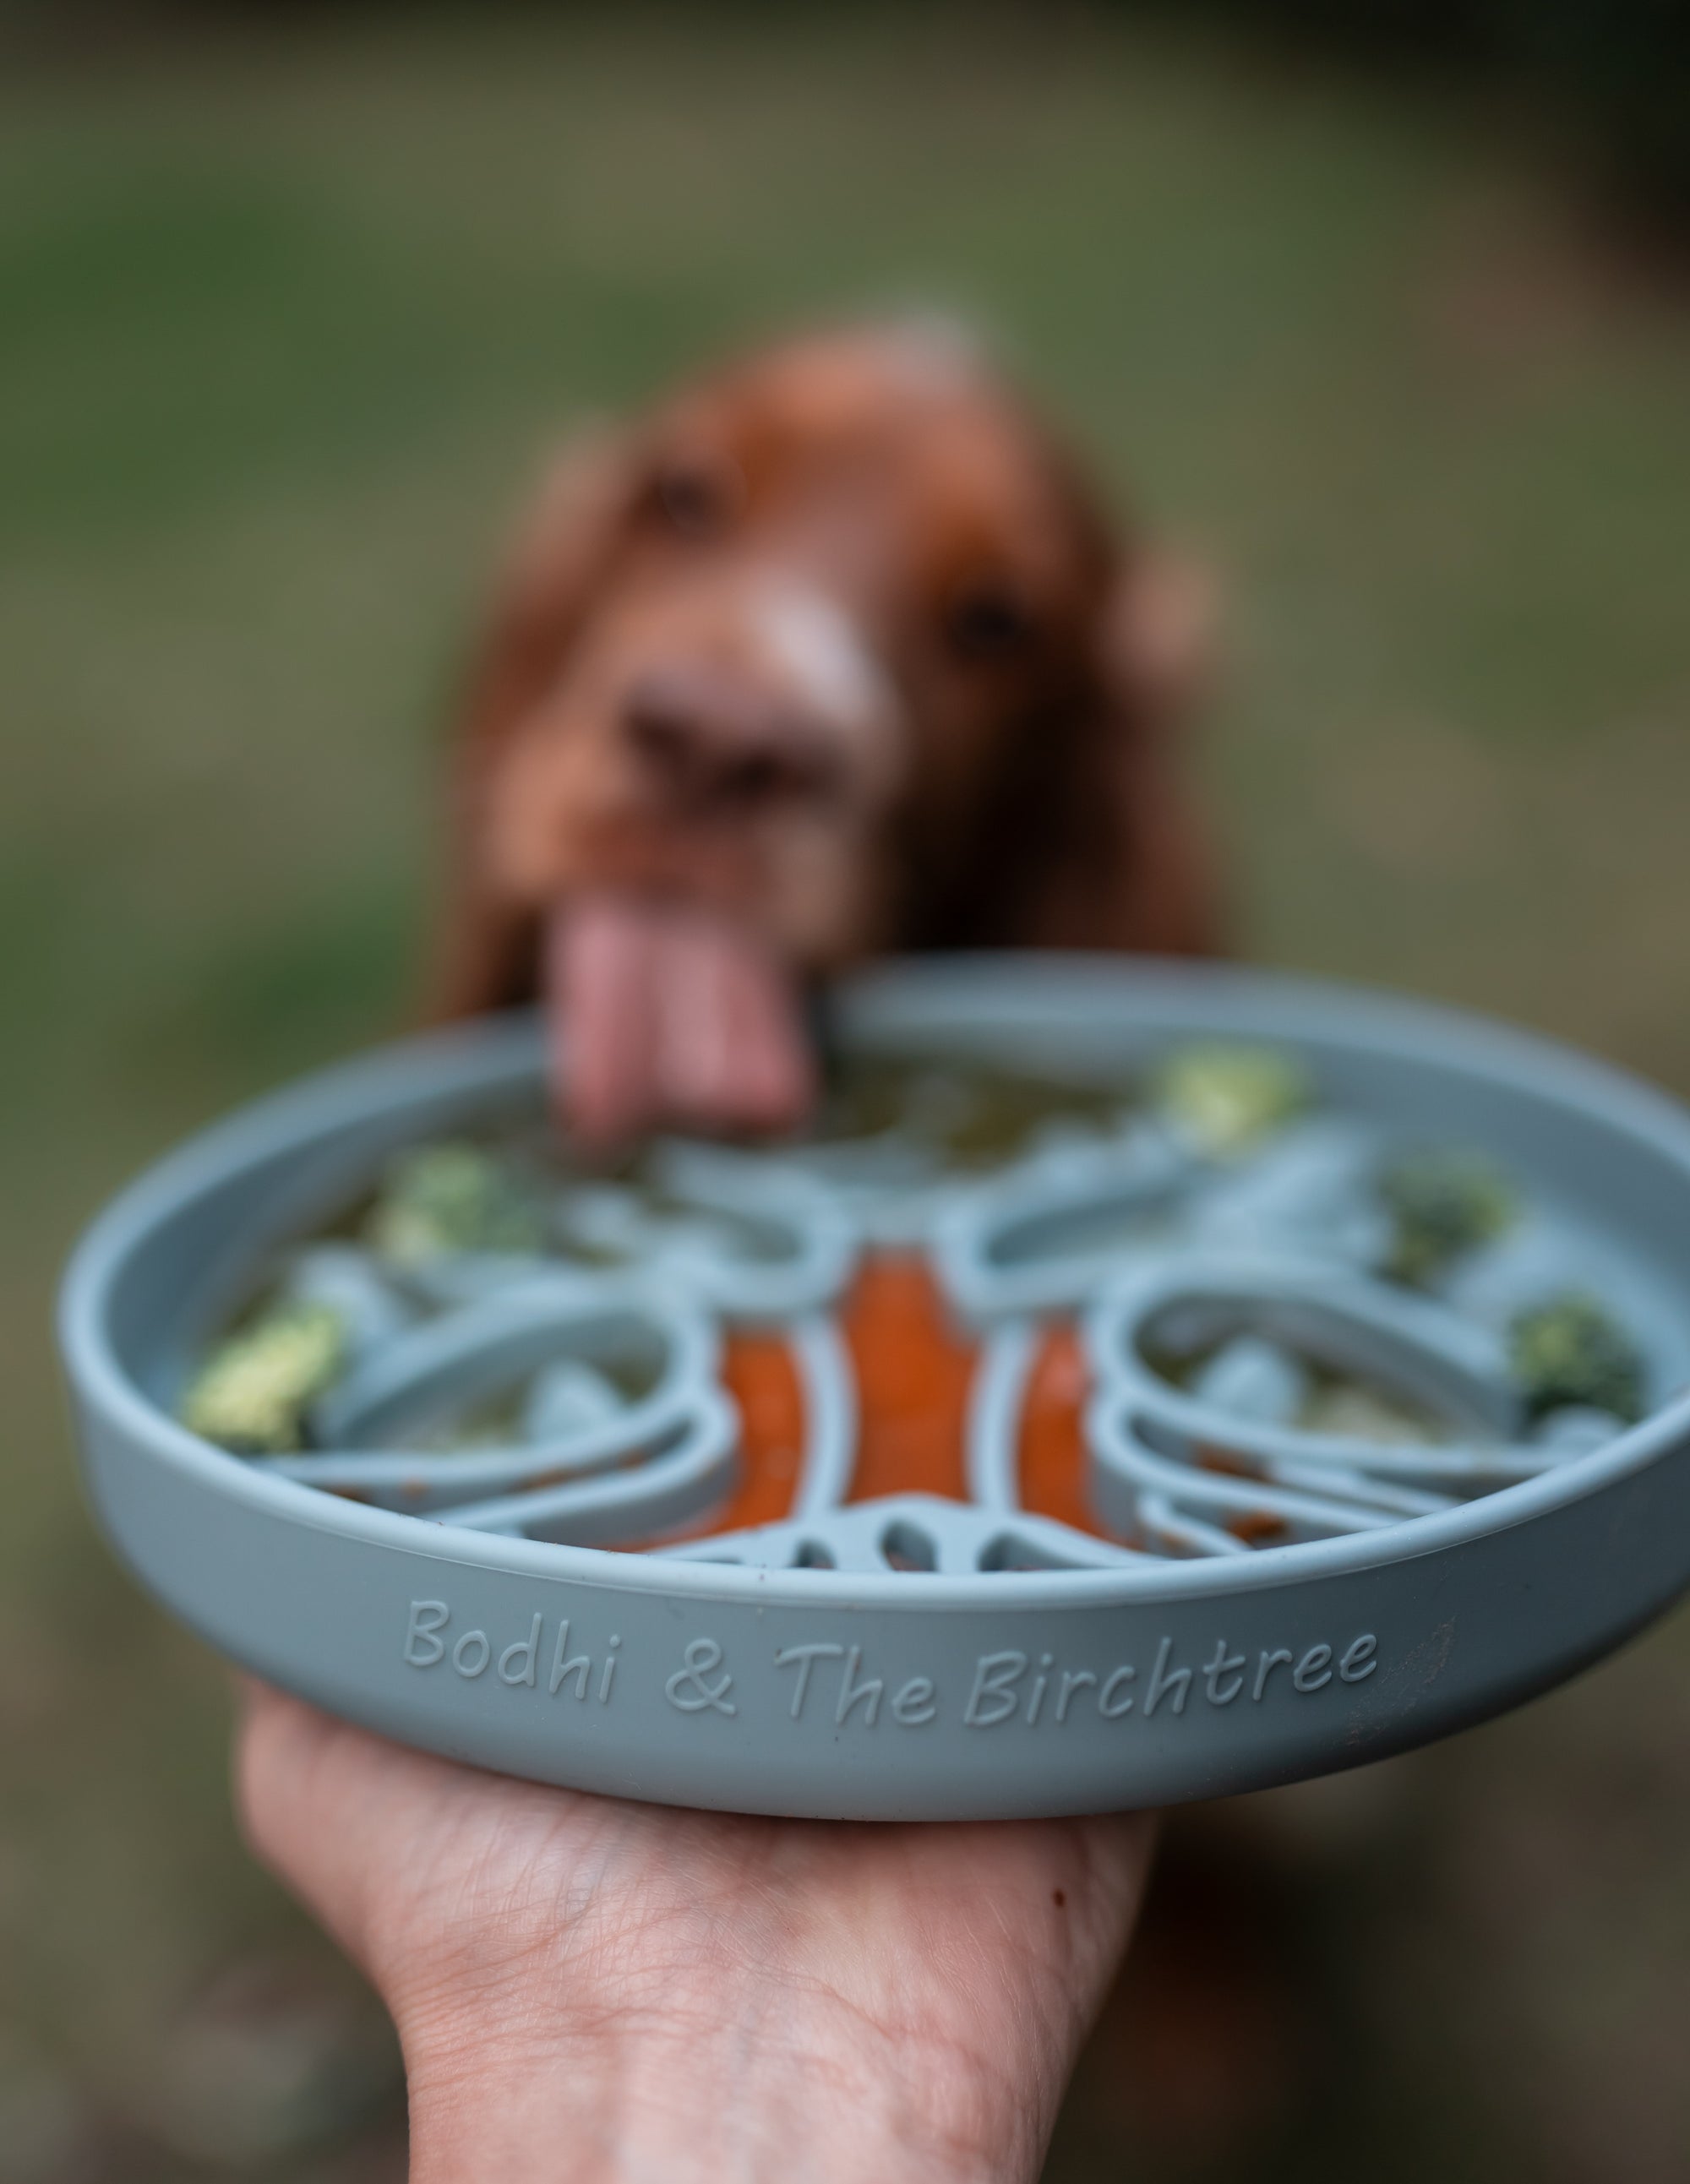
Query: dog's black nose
[705,737]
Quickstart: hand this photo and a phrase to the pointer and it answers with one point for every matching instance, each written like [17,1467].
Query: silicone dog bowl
[1124,1593]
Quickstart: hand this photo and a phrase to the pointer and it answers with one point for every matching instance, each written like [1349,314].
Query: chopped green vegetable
[442,1199]
[1223,1099]
[1568,1350]
[1442,1203]
[253,1391]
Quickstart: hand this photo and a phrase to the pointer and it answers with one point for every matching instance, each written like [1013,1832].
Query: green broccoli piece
[1568,1350]
[1223,1099]
[1442,1203]
[442,1199]
[251,1393]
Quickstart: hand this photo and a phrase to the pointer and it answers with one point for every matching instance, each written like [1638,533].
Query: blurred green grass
[283,328]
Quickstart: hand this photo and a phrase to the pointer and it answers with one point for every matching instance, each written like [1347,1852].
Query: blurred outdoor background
[289,304]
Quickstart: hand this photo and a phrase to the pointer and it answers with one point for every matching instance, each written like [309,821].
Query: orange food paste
[760,1374]
[914,1370]
[1052,1445]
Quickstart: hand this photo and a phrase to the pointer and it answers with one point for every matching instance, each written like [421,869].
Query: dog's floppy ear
[559,559]
[1135,871]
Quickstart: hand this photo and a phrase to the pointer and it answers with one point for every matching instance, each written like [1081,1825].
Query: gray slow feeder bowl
[912,1657]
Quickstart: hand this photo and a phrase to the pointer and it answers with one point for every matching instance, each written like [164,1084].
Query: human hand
[590,1989]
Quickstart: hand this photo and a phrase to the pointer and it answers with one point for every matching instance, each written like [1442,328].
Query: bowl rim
[495,1051]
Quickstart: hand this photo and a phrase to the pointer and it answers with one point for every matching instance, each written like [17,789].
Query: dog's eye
[696,499]
[987,622]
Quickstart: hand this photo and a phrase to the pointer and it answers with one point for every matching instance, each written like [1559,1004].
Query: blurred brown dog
[832,654]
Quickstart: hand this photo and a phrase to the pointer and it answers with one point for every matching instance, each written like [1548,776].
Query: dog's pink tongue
[664,1014]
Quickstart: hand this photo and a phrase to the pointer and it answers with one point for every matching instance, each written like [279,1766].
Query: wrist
[794,2093]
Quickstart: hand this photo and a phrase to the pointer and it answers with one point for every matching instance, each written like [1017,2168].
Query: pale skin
[589,1990]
